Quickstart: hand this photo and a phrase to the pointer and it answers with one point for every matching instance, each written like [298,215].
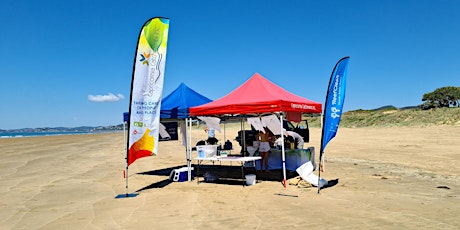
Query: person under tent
[296,138]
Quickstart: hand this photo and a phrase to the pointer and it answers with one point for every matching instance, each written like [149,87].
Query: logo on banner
[144,58]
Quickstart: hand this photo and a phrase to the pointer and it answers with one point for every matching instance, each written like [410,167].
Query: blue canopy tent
[176,106]
[178,102]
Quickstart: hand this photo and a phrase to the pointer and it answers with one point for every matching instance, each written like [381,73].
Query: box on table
[206,150]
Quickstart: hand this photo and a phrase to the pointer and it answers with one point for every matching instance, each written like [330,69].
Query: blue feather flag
[334,102]
[333,107]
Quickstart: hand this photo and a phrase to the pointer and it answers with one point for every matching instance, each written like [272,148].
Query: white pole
[320,168]
[321,161]
[190,143]
[243,138]
[190,146]
[187,149]
[282,150]
[126,151]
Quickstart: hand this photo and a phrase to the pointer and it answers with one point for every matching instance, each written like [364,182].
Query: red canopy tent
[257,95]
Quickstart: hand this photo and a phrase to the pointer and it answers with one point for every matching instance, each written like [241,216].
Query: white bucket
[250,179]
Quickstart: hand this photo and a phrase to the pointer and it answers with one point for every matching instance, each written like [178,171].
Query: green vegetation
[440,107]
[442,97]
[393,117]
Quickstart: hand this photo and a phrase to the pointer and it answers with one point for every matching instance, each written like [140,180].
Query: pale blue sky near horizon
[57,55]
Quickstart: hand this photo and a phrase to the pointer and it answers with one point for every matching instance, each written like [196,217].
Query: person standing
[264,148]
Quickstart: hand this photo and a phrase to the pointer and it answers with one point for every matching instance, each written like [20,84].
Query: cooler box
[180,175]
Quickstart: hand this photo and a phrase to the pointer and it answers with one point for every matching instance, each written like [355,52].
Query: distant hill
[390,116]
[386,107]
[385,116]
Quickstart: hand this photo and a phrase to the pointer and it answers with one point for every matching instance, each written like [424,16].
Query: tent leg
[188,128]
[282,150]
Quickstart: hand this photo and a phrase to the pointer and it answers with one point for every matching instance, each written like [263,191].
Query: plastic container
[223,153]
[250,179]
[251,150]
[180,175]
[206,150]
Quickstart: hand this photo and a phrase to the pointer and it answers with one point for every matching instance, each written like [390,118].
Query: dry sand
[388,178]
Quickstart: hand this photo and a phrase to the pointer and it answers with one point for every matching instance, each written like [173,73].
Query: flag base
[126,195]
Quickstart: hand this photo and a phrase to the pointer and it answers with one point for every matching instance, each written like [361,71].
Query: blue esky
[55,55]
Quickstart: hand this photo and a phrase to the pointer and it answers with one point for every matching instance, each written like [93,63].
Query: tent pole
[187,149]
[282,150]
[243,136]
[190,123]
[225,138]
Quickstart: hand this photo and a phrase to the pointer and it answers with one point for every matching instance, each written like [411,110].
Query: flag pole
[319,171]
[320,155]
[126,158]
[126,175]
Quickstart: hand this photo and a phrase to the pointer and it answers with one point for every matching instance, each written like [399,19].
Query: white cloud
[106,98]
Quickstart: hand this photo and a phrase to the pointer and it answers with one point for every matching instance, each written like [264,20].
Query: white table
[241,160]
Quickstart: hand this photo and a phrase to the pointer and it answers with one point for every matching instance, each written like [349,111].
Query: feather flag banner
[146,89]
[334,102]
[333,108]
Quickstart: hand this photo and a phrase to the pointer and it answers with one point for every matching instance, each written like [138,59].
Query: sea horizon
[41,134]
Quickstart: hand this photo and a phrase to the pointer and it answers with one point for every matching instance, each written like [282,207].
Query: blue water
[37,134]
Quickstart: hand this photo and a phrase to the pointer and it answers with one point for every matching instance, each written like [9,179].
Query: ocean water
[36,134]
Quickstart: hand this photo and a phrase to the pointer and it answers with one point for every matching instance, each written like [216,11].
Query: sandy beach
[388,178]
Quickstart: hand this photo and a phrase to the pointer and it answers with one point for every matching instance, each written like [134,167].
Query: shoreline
[43,134]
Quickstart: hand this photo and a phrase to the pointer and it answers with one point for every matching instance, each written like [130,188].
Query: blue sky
[57,55]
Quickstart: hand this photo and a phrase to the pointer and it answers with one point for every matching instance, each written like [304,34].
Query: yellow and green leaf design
[154,32]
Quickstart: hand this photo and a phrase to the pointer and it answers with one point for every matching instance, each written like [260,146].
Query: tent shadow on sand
[159,184]
[159,172]
[229,175]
